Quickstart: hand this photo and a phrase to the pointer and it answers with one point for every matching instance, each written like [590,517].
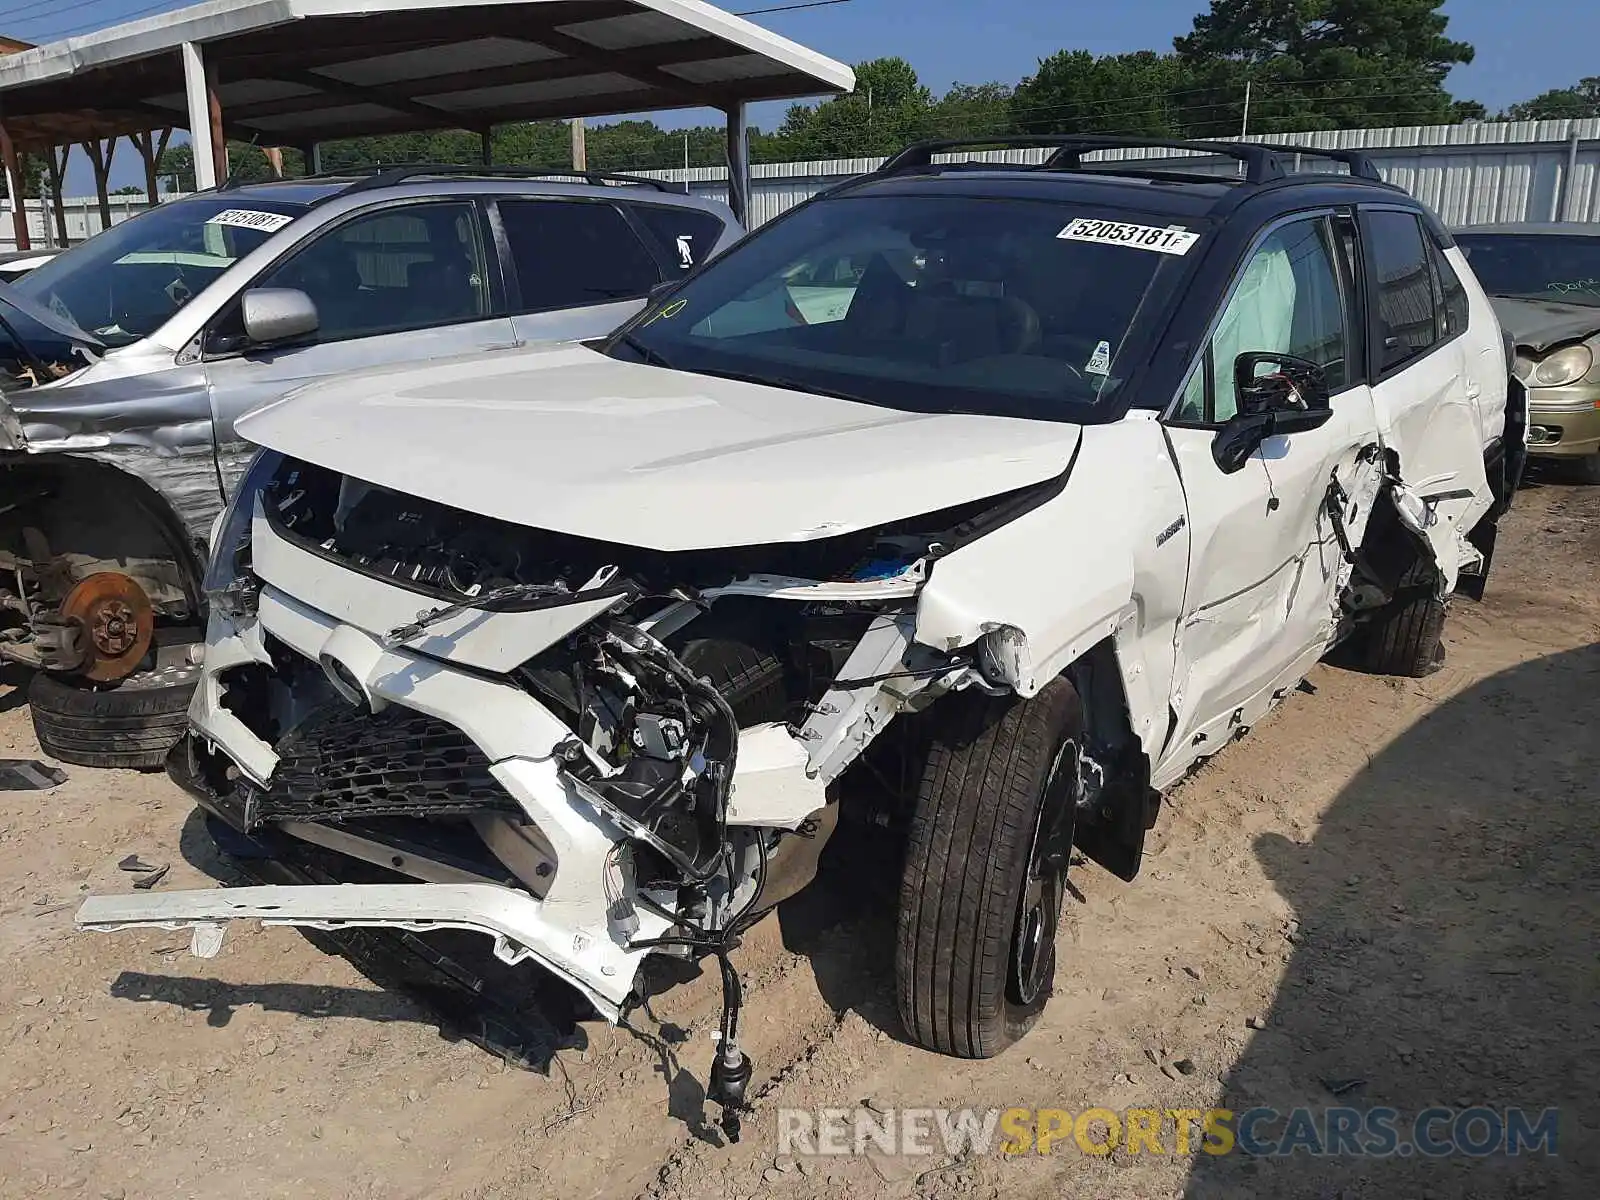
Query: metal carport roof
[297,72]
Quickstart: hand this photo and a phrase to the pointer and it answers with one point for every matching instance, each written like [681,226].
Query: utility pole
[686,152]
[1244,125]
[580,151]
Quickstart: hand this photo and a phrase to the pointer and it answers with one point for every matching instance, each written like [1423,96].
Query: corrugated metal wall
[1473,174]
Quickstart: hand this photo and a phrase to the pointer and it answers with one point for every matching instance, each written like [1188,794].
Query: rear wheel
[1406,637]
[985,870]
[133,724]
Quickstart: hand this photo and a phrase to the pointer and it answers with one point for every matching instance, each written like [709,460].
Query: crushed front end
[588,753]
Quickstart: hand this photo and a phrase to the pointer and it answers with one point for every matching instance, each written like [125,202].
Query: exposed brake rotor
[115,621]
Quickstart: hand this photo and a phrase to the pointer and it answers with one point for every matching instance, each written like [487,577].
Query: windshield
[926,303]
[123,284]
[1549,267]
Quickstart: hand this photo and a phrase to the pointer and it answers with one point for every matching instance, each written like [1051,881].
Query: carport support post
[19,210]
[150,149]
[101,162]
[205,118]
[739,164]
[58,175]
[486,147]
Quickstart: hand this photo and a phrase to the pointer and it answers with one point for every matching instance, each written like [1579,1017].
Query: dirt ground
[1387,891]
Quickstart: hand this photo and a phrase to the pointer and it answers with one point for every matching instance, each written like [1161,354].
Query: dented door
[1266,561]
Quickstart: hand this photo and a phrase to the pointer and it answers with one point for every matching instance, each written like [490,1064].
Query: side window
[391,270]
[1405,324]
[569,253]
[687,234]
[1288,301]
[1454,309]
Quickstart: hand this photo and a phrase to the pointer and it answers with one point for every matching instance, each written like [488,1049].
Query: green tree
[1577,102]
[889,108]
[1340,63]
[971,110]
[1073,91]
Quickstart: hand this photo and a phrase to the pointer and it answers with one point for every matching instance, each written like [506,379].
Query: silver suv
[125,362]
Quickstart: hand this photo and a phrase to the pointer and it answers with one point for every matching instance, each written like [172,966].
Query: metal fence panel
[1470,174]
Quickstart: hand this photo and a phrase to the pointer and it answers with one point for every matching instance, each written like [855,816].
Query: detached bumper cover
[515,921]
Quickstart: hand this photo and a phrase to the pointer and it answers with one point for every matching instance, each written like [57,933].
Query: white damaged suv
[1070,476]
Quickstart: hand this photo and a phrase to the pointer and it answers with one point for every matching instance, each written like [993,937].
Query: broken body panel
[1057,540]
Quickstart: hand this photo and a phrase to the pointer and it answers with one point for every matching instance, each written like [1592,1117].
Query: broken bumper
[573,929]
[519,924]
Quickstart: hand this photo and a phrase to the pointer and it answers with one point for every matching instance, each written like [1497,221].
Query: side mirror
[1278,394]
[273,316]
[1277,383]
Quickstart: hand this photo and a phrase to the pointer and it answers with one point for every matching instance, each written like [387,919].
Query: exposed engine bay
[697,706]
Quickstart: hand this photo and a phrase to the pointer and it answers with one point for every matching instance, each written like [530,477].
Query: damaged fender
[1105,560]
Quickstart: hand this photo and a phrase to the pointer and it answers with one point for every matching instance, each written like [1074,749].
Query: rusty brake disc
[117,624]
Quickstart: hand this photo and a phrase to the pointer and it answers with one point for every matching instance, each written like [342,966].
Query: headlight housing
[1567,365]
[229,585]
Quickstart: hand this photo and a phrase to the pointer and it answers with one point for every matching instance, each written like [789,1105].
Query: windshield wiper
[651,357]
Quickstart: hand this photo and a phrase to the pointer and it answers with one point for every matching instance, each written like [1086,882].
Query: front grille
[342,763]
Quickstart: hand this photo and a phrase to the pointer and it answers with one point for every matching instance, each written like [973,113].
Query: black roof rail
[391,176]
[1360,164]
[920,154]
[1263,162]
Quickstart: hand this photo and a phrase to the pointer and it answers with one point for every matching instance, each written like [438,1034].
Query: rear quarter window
[686,234]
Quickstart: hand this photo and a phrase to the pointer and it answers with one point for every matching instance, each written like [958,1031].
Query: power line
[10,13]
[756,12]
[51,33]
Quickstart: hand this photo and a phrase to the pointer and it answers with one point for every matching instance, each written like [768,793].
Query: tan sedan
[1546,283]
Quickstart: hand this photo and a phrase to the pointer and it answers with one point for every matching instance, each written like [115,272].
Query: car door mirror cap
[274,316]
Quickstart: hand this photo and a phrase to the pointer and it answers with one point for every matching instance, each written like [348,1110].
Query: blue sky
[1523,48]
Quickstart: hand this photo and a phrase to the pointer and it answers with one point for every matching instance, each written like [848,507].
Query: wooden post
[19,211]
[580,148]
[58,177]
[219,140]
[102,176]
[150,149]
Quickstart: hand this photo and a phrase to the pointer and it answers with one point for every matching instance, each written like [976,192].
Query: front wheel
[132,725]
[985,872]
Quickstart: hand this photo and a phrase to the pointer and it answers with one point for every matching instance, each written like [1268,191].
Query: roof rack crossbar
[1263,163]
[1359,162]
[390,176]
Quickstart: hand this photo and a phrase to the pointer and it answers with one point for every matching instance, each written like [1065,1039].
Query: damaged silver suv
[1070,476]
[125,361]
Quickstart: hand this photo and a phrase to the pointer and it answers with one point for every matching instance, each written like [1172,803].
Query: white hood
[567,439]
